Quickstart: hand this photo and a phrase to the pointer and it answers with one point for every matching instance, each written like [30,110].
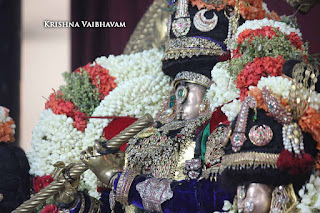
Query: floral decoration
[310,122]
[249,9]
[50,209]
[280,85]
[269,41]
[99,77]
[141,86]
[7,126]
[223,91]
[62,107]
[80,91]
[39,183]
[309,194]
[252,72]
[232,109]
[265,38]
[228,207]
[258,24]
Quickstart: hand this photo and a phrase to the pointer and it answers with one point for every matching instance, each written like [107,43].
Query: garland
[269,41]
[258,24]
[252,72]
[309,194]
[7,126]
[249,9]
[141,86]
[223,91]
[233,79]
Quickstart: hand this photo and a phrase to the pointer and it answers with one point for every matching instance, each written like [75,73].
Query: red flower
[39,183]
[295,40]
[266,31]
[100,77]
[253,71]
[80,120]
[62,107]
[50,209]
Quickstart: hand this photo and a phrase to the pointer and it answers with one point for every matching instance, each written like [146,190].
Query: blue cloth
[189,196]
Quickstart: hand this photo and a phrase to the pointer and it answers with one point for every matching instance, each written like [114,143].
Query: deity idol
[164,165]
[164,162]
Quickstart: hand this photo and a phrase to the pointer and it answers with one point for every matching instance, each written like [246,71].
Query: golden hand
[69,193]
[103,166]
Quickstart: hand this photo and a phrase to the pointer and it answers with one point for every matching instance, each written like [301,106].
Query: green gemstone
[255,118]
[171,104]
[180,93]
[172,98]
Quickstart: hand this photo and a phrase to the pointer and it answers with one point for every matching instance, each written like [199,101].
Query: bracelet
[154,192]
[72,206]
[123,186]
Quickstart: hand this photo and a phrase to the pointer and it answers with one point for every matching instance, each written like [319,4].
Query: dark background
[90,43]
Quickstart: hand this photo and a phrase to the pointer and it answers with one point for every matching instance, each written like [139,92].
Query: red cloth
[116,126]
[218,117]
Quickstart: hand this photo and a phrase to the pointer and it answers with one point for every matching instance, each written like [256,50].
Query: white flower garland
[256,24]
[232,109]
[223,90]
[315,101]
[55,137]
[126,67]
[310,195]
[278,84]
[281,87]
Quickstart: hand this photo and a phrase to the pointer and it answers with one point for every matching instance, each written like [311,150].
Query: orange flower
[253,71]
[257,94]
[249,9]
[6,131]
[200,4]
[62,107]
[310,122]
[100,77]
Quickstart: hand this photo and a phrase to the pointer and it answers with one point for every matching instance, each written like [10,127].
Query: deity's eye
[181,93]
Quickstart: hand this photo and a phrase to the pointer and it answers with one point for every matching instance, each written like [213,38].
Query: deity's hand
[69,193]
[103,166]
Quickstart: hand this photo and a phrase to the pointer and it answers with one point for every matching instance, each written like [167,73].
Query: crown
[191,77]
[191,33]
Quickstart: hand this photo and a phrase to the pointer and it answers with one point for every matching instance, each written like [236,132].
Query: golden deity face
[255,199]
[189,98]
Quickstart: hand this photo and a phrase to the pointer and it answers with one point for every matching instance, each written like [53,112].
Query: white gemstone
[169,111]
